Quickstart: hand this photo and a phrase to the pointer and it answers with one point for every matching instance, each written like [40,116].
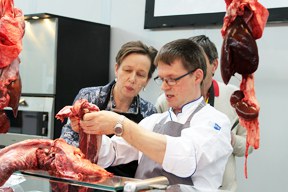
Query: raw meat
[244,22]
[89,144]
[54,156]
[12,28]
[239,52]
[254,14]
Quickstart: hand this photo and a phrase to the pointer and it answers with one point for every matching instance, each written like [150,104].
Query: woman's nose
[132,77]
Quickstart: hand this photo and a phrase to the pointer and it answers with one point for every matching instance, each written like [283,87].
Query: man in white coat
[218,94]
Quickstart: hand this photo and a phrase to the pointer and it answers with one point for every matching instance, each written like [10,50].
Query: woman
[133,69]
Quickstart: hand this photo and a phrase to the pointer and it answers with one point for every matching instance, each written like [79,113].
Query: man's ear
[199,75]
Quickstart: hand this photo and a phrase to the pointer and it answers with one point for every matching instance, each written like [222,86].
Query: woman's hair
[188,52]
[139,48]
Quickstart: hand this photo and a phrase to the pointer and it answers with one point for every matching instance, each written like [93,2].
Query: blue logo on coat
[217,127]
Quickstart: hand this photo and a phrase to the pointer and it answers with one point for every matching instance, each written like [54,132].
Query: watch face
[118,129]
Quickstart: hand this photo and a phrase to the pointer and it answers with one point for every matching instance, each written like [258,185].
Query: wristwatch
[119,129]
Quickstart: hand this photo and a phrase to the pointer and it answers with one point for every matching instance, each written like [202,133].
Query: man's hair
[189,52]
[139,48]
[208,46]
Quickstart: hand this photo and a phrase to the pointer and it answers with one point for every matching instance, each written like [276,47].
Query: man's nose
[164,85]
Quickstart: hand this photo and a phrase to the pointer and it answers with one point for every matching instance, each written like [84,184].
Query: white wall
[266,166]
[89,10]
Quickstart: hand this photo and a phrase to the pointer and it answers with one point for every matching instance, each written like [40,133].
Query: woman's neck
[122,103]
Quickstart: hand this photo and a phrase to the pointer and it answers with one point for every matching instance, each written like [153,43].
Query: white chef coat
[202,150]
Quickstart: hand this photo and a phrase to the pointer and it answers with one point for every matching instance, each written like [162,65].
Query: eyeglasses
[170,81]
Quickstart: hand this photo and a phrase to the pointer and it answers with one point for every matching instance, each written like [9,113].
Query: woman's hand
[100,122]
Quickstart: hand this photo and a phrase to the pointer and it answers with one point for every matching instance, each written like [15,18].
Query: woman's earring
[115,79]
[143,89]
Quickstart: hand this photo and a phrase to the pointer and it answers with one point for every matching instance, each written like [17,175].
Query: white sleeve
[115,151]
[106,154]
[125,153]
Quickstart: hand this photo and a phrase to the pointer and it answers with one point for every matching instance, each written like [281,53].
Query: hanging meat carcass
[12,28]
[244,23]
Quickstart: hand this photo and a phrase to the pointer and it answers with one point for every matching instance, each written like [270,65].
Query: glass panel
[115,183]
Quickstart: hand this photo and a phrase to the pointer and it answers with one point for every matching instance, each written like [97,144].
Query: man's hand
[101,122]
